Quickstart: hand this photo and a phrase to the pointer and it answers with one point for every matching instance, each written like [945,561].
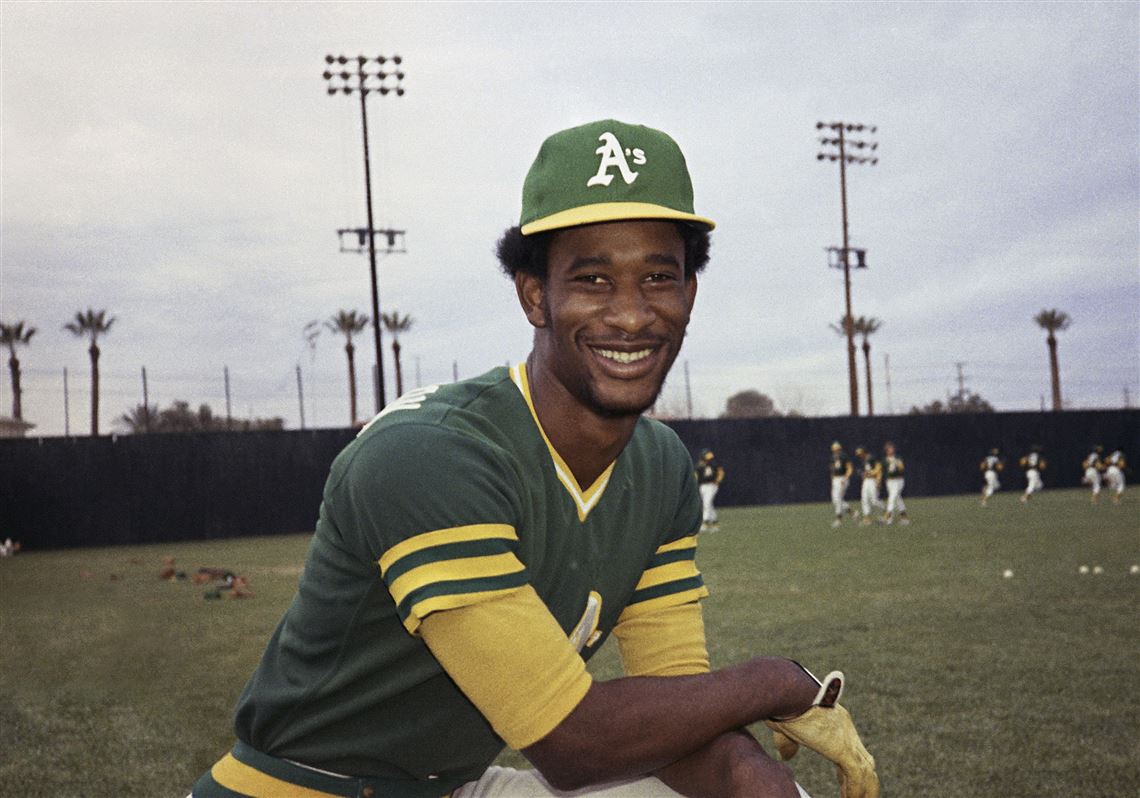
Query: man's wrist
[790,689]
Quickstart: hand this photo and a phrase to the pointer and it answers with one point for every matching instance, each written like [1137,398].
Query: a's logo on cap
[613,155]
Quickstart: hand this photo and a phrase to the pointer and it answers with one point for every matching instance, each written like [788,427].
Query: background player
[894,468]
[1114,466]
[1093,467]
[1034,464]
[840,469]
[709,477]
[991,466]
[478,541]
[871,470]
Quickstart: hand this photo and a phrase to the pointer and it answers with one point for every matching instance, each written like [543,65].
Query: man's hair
[527,254]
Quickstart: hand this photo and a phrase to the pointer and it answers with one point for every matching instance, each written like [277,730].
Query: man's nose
[630,310]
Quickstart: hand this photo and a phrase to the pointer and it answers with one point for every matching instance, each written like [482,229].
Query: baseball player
[991,466]
[872,472]
[1034,464]
[840,468]
[1093,467]
[479,541]
[894,467]
[1114,466]
[709,476]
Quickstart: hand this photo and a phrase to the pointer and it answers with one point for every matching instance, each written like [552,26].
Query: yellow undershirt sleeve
[666,642]
[512,659]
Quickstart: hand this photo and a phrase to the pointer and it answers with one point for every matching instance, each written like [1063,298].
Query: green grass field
[964,684]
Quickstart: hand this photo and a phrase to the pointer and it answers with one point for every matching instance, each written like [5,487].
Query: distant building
[14,427]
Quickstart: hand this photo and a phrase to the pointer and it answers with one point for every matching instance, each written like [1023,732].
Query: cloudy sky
[182,166]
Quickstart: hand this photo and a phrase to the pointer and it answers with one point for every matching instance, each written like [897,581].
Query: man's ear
[531,291]
[691,290]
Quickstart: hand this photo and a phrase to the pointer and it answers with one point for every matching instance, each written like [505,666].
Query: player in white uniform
[1093,467]
[872,472]
[991,466]
[893,466]
[840,469]
[1034,464]
[709,477]
[1114,474]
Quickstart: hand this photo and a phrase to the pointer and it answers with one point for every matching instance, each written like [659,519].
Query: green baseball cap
[607,171]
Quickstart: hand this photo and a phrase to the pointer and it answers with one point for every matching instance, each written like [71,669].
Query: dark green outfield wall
[59,492]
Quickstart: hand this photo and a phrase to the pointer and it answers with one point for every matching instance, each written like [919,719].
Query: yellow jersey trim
[585,500]
[241,778]
[440,537]
[453,570]
[670,572]
[689,542]
[662,602]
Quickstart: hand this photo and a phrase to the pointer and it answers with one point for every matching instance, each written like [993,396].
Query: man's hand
[827,729]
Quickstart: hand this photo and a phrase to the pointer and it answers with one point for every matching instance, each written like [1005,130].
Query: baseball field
[965,682]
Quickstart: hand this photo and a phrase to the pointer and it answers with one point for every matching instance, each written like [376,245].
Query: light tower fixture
[837,135]
[364,75]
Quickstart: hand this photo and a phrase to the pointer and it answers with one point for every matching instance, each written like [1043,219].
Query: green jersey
[449,495]
[895,467]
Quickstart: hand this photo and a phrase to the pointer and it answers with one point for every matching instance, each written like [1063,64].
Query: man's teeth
[624,357]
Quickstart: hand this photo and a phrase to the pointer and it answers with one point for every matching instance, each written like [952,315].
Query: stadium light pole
[840,141]
[362,80]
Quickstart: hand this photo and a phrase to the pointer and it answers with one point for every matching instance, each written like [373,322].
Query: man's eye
[590,279]
[662,277]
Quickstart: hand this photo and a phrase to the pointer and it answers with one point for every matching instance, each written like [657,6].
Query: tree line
[92,324]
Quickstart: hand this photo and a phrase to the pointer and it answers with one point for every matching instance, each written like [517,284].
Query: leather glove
[827,729]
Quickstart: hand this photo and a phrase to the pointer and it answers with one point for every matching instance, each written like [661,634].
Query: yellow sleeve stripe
[513,660]
[670,572]
[442,537]
[453,570]
[660,602]
[689,542]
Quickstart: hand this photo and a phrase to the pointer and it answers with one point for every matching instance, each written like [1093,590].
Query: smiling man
[479,541]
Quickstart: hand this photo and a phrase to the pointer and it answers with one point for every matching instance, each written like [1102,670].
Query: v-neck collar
[585,500]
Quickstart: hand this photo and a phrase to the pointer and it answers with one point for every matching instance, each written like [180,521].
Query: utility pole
[364,83]
[66,407]
[300,396]
[961,378]
[229,416]
[840,141]
[1127,399]
[887,368]
[146,403]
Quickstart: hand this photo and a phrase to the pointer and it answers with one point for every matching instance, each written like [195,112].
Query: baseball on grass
[1135,569]
[1097,569]
[1084,569]
[1007,573]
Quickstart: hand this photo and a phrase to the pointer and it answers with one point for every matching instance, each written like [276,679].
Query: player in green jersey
[478,542]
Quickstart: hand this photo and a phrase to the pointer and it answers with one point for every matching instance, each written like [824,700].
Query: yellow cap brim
[610,212]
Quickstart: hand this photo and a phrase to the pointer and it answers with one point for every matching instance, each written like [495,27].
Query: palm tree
[396,325]
[865,326]
[349,323]
[11,336]
[92,324]
[1051,321]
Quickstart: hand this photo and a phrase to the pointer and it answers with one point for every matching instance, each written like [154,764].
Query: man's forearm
[731,766]
[635,726]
